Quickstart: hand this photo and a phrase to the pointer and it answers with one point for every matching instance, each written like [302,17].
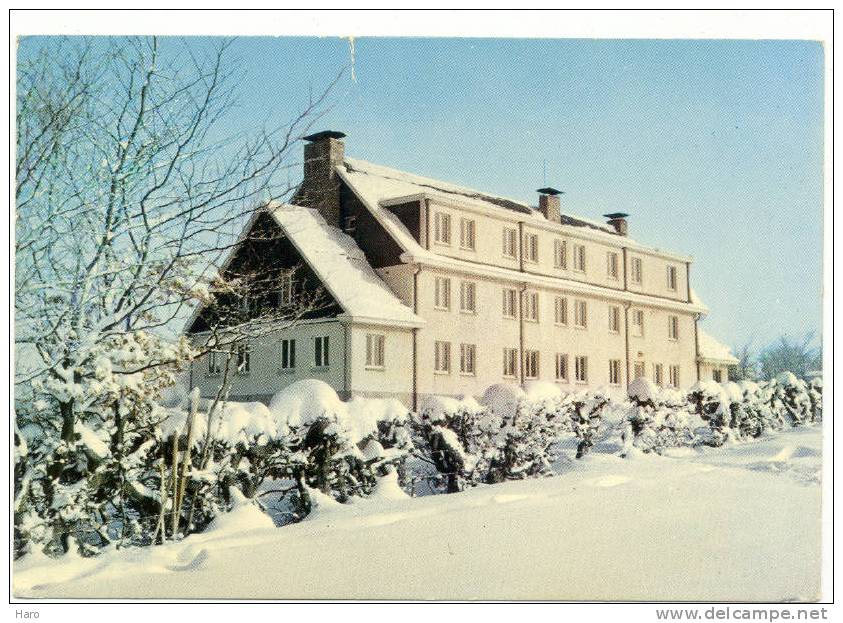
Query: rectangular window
[560,315]
[658,373]
[510,303]
[243,359]
[214,362]
[561,367]
[614,319]
[467,234]
[580,314]
[612,264]
[510,242]
[614,372]
[637,270]
[510,362]
[285,290]
[671,277]
[288,354]
[673,327]
[531,247]
[560,254]
[468,297]
[638,370]
[468,359]
[581,369]
[443,293]
[442,228]
[579,257]
[531,364]
[320,351]
[531,306]
[674,376]
[638,322]
[375,357]
[442,357]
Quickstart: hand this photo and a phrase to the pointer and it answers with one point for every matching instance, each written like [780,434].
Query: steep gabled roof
[342,267]
[714,351]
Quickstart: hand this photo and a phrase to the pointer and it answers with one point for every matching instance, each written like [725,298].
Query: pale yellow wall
[396,377]
[265,376]
[654,276]
[708,368]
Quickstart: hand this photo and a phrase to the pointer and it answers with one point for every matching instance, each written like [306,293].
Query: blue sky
[713,147]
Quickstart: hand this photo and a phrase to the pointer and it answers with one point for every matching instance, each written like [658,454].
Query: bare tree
[747,368]
[790,355]
[128,193]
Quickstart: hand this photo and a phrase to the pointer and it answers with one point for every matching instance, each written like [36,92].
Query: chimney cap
[615,215]
[550,191]
[319,136]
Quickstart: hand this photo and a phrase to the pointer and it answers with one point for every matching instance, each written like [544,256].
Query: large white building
[438,289]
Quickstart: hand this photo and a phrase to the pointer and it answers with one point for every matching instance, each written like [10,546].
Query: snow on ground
[735,523]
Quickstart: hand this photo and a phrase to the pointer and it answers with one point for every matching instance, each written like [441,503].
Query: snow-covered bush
[587,418]
[815,394]
[791,399]
[711,402]
[656,419]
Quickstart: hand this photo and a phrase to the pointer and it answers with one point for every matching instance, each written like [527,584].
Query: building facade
[439,289]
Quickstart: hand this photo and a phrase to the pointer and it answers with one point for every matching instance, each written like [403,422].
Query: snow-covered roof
[714,351]
[378,185]
[342,267]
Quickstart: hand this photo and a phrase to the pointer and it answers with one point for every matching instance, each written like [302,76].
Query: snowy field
[740,522]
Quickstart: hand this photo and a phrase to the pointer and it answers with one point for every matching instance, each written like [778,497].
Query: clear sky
[713,147]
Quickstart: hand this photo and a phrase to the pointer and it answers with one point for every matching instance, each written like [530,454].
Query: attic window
[349,225]
[285,291]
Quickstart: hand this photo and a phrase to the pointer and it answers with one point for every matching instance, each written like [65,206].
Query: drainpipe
[624,271]
[626,333]
[521,246]
[416,271]
[521,293]
[688,279]
[697,345]
[346,373]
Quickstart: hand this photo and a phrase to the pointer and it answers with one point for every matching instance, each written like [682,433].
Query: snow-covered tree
[125,191]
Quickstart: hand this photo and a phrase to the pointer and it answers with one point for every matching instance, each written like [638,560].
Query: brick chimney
[618,221]
[320,189]
[549,204]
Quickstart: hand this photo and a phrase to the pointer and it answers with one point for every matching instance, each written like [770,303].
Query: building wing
[712,351]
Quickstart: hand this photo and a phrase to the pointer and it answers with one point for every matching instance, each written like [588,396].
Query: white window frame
[214,363]
[441,357]
[468,234]
[560,254]
[244,359]
[468,297]
[614,371]
[531,248]
[639,369]
[673,328]
[612,265]
[375,351]
[288,354]
[510,242]
[560,311]
[637,270]
[638,327]
[658,374]
[673,377]
[286,290]
[321,351]
[531,306]
[579,258]
[509,303]
[581,314]
[510,361]
[532,364]
[581,369]
[442,228]
[468,359]
[349,225]
[562,371]
[442,293]
[614,319]
[672,278]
